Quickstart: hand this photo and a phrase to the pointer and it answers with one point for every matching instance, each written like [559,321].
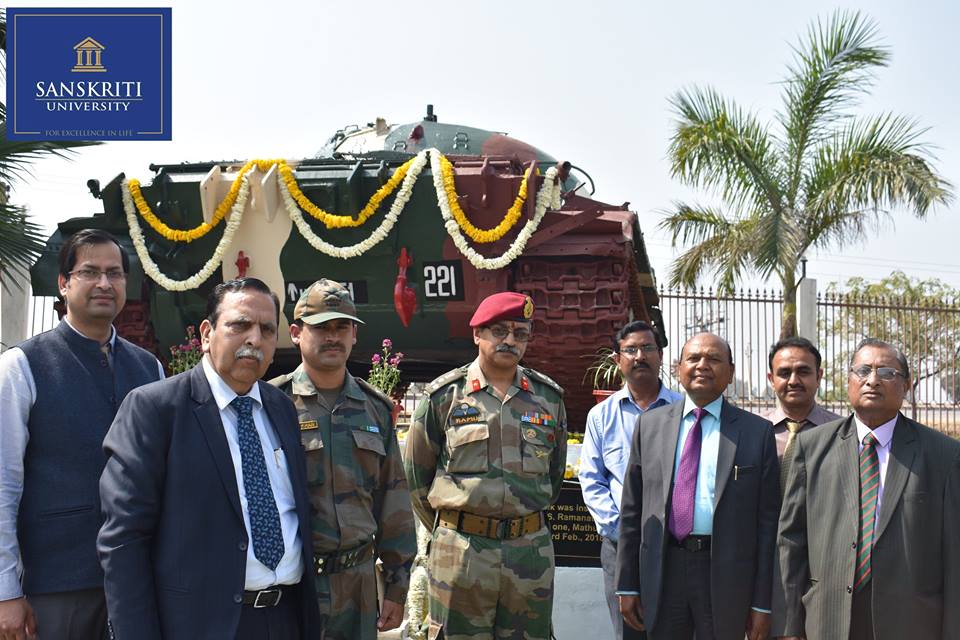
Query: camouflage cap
[325,300]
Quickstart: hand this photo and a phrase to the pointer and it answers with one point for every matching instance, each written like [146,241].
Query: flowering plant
[385,368]
[184,357]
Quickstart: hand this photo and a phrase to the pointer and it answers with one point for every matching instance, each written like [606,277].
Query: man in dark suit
[207,523]
[698,519]
[868,545]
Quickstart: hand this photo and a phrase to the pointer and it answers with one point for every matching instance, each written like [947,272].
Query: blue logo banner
[88,74]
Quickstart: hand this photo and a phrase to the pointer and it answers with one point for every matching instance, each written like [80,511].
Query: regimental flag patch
[372,428]
[544,419]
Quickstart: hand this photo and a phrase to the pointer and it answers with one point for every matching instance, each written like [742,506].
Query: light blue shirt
[607,439]
[707,473]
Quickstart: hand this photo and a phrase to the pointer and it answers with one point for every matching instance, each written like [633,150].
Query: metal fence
[927,333]
[748,320]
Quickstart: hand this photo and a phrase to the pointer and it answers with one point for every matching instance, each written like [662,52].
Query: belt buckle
[500,531]
[694,544]
[267,592]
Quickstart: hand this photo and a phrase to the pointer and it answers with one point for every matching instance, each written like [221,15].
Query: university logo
[88,74]
[88,56]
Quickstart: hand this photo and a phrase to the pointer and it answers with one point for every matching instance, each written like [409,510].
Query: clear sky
[585,81]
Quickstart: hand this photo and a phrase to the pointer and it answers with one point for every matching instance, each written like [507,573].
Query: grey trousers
[608,560]
[70,615]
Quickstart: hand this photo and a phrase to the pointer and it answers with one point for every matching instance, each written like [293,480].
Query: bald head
[706,367]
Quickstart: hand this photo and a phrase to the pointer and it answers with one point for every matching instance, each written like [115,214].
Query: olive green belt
[499,528]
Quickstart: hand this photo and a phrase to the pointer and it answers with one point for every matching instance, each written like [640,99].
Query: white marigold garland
[547,197]
[194,281]
[381,232]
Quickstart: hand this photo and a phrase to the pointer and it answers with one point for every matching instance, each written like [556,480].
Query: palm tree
[20,239]
[819,177]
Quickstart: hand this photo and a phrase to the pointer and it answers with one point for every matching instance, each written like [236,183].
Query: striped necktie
[793,427]
[261,505]
[869,490]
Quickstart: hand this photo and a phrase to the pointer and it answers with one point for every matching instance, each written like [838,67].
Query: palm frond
[868,168]
[719,245]
[21,241]
[16,156]
[719,146]
[831,69]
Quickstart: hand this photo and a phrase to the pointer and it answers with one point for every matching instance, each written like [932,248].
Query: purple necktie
[685,484]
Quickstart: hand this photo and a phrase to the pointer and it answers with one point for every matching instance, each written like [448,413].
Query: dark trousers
[685,606]
[861,614]
[608,560]
[281,622]
[70,615]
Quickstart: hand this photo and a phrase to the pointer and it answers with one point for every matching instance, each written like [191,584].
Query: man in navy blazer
[207,523]
[698,520]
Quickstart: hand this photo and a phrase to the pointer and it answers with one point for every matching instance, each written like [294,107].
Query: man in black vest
[61,390]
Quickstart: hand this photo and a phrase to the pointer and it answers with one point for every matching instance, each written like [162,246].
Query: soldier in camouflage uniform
[361,505]
[484,457]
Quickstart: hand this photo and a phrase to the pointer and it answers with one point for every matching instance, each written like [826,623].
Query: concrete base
[579,606]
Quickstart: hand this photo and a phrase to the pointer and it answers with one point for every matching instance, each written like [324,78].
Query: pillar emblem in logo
[88,56]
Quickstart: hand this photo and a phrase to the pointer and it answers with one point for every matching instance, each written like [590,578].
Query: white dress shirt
[18,391]
[290,569]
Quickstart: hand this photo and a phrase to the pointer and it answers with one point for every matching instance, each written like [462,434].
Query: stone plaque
[576,542]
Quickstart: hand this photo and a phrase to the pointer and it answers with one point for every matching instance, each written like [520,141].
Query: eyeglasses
[884,373]
[94,275]
[645,348]
[500,332]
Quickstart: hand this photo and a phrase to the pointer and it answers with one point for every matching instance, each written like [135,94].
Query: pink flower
[394,361]
[387,343]
[376,358]
[194,343]
[399,356]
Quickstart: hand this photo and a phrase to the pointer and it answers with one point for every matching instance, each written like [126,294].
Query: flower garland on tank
[547,197]
[381,232]
[293,198]
[482,236]
[418,591]
[202,229]
[194,281]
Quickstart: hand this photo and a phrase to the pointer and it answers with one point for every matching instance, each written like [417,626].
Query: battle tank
[585,266]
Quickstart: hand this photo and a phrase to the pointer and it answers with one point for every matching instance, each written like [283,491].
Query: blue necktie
[264,517]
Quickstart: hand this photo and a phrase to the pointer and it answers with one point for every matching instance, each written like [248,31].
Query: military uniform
[361,506]
[481,469]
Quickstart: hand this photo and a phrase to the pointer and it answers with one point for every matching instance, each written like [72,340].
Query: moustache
[641,365]
[332,347]
[248,352]
[505,348]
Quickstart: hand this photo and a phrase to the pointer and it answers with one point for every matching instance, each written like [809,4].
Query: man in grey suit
[698,517]
[868,534]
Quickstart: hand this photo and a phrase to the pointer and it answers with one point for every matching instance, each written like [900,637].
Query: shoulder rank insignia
[307,425]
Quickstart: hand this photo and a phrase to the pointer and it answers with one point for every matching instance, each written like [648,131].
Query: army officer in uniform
[361,506]
[485,456]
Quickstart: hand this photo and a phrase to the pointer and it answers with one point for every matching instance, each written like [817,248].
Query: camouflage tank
[585,265]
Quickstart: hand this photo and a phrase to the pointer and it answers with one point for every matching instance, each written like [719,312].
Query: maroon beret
[508,305]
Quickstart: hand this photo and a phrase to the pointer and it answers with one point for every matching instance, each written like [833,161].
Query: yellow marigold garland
[481,236]
[333,221]
[180,235]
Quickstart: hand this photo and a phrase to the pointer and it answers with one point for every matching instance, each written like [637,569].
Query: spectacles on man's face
[633,351]
[500,332]
[884,373]
[94,275]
